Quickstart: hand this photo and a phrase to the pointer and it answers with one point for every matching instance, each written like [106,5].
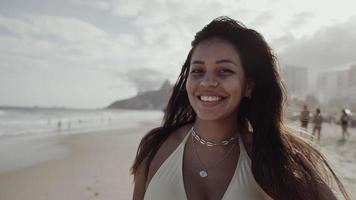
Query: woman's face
[216,82]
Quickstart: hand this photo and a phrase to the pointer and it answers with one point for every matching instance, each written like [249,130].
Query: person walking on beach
[344,122]
[304,117]
[317,120]
[204,149]
[59,125]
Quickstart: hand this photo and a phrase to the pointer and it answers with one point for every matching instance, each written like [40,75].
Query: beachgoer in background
[344,122]
[304,117]
[59,125]
[204,148]
[317,120]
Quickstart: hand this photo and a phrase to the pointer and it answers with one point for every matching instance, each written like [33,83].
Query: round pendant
[203,173]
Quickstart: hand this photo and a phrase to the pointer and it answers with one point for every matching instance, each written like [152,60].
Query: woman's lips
[210,100]
[207,98]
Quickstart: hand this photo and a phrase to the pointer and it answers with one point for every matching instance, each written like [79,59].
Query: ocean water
[17,122]
[26,133]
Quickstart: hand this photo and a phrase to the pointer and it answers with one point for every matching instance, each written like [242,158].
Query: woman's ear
[249,88]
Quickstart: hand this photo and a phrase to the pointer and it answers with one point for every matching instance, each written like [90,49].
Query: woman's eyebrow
[225,61]
[197,62]
[217,62]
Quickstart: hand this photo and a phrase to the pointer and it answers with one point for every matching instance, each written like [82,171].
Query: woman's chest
[208,182]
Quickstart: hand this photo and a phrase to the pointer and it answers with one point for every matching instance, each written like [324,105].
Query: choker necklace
[204,171]
[212,144]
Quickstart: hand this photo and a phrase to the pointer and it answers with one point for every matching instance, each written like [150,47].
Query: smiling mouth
[205,98]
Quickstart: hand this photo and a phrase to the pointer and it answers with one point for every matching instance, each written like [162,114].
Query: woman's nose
[209,81]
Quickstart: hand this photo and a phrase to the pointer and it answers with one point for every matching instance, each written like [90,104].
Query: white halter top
[168,183]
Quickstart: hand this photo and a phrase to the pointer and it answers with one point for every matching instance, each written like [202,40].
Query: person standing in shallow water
[317,120]
[344,122]
[205,148]
[304,117]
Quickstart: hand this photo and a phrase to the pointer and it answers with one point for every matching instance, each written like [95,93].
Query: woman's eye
[196,71]
[225,71]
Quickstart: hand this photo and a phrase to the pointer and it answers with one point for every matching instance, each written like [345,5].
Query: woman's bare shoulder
[167,149]
[171,143]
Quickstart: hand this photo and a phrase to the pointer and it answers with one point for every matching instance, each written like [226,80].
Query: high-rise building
[352,82]
[296,79]
[328,83]
[352,75]
[340,83]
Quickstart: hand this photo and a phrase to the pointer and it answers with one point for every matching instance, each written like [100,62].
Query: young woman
[223,135]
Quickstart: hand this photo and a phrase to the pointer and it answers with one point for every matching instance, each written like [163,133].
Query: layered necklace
[196,138]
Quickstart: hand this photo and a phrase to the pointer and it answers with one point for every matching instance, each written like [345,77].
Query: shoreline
[92,165]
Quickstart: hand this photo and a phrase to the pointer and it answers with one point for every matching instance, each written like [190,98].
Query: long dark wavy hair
[275,164]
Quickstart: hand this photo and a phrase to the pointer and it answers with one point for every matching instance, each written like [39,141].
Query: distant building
[296,79]
[340,83]
[352,81]
[328,83]
[352,75]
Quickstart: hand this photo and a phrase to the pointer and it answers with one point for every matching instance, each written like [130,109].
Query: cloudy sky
[89,53]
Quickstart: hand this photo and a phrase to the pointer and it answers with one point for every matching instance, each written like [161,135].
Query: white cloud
[280,43]
[329,47]
[300,19]
[69,29]
[80,42]
[100,4]
[128,8]
[145,78]
[124,36]
[262,19]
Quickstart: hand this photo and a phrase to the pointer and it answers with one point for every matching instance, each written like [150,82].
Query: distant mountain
[150,100]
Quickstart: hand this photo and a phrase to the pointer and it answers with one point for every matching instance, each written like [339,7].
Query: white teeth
[210,98]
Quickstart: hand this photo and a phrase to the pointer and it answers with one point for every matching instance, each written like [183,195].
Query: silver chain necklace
[212,144]
[204,171]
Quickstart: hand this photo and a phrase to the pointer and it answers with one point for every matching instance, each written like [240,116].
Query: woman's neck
[215,131]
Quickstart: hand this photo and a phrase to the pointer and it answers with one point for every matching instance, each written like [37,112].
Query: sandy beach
[85,166]
[96,165]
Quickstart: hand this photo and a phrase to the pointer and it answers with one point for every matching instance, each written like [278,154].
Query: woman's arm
[140,179]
